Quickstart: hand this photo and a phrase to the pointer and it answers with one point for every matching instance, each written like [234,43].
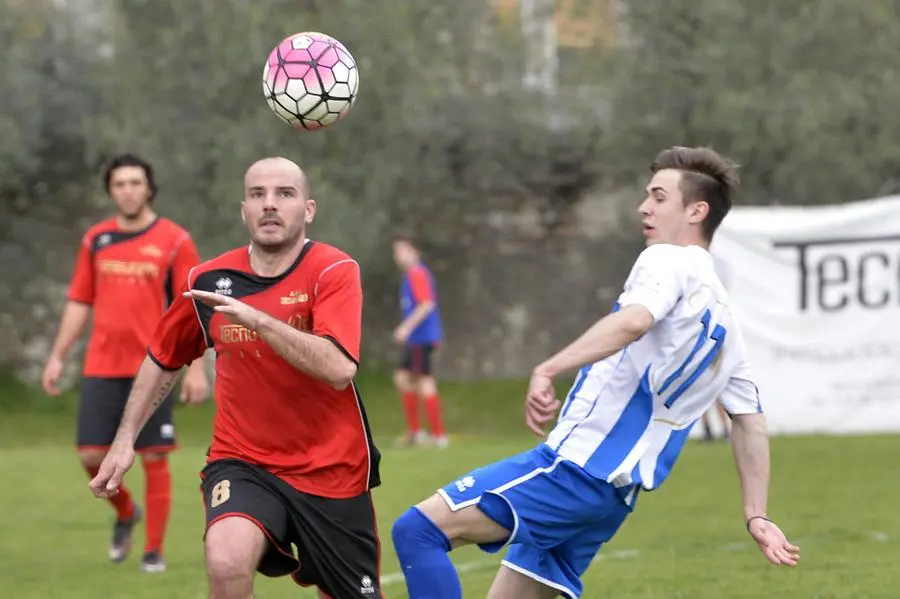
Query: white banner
[817,293]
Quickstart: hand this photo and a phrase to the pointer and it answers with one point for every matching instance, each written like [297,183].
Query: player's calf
[234,546]
[424,535]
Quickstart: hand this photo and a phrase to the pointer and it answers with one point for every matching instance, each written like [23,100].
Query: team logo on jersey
[152,251]
[294,297]
[223,286]
[104,239]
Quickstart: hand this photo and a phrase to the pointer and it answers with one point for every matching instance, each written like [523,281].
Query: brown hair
[706,176]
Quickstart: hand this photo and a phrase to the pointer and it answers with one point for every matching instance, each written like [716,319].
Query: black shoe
[153,562]
[120,546]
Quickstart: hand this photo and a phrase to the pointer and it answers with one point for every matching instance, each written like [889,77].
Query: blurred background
[512,136]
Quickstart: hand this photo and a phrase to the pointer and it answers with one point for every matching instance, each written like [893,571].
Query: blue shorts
[559,515]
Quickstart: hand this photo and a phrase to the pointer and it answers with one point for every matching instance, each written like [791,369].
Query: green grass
[837,496]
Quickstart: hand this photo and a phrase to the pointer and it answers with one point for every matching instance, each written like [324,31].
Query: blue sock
[422,549]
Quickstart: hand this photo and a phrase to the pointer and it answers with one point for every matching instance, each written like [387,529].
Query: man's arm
[151,387]
[74,318]
[607,336]
[418,315]
[317,356]
[750,446]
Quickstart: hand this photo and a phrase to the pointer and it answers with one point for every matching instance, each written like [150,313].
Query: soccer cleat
[441,442]
[120,546]
[153,562]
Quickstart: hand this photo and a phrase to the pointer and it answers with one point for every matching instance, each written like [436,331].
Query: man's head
[406,254]
[689,194]
[130,183]
[276,206]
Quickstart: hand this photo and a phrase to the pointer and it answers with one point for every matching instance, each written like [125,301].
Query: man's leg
[555,515]
[509,584]
[234,548]
[404,381]
[99,411]
[154,443]
[247,527]
[426,387]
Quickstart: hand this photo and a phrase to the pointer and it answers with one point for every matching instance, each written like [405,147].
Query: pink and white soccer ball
[310,80]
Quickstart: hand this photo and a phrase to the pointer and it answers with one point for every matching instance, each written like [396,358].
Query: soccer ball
[310,80]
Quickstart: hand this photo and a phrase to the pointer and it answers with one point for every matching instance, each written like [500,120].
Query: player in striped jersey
[646,373]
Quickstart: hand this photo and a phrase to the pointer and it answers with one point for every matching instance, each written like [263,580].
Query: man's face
[130,190]
[405,255]
[275,207]
[664,215]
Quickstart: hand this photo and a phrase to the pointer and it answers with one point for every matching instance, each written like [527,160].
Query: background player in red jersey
[126,271]
[292,460]
[420,333]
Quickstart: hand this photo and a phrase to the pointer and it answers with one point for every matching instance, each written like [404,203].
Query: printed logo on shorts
[366,587]
[167,431]
[463,484]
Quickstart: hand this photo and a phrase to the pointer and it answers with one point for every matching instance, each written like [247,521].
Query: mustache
[270,218]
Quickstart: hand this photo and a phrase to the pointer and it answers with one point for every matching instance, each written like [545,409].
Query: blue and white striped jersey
[627,417]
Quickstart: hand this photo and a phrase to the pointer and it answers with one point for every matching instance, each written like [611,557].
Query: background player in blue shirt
[420,333]
[646,374]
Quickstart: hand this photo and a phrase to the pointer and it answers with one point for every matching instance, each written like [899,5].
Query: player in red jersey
[291,460]
[127,270]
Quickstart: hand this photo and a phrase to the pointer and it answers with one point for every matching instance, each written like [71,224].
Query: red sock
[159,502]
[411,407]
[121,502]
[433,410]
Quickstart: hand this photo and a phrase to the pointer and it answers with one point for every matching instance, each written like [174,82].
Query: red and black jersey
[128,277]
[268,413]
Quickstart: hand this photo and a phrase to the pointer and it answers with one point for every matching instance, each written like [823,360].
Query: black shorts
[100,410]
[417,358]
[337,539]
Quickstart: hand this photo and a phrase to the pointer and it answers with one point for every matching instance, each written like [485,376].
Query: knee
[413,532]
[233,549]
[403,381]
[227,564]
[153,457]
[91,458]
[426,386]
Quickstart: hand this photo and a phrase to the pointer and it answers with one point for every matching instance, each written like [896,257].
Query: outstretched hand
[773,543]
[235,310]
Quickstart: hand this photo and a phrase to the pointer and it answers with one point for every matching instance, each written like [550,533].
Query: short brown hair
[706,176]
[406,237]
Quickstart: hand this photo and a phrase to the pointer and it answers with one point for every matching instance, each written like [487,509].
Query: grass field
[837,497]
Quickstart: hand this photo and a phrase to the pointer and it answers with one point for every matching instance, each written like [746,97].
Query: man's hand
[52,373]
[194,386]
[540,403]
[235,310]
[401,334]
[772,542]
[117,462]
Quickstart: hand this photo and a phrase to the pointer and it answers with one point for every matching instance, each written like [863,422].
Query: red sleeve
[420,284]
[178,339]
[337,311]
[81,288]
[186,258]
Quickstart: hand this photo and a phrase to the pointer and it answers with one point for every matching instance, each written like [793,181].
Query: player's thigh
[234,546]
[560,567]
[100,407]
[234,490]
[158,435]
[510,584]
[543,499]
[337,541]
[464,526]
